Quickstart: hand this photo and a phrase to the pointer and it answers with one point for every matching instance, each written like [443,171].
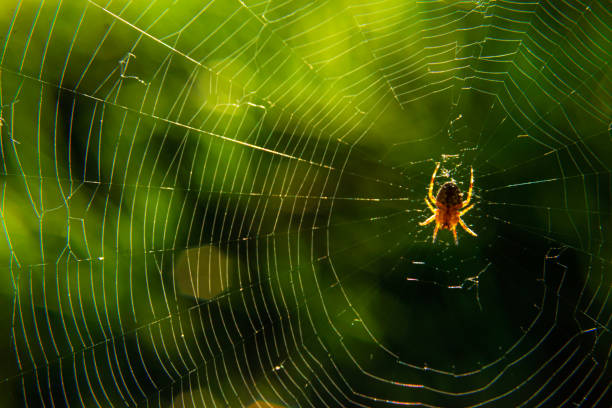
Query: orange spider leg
[465,209]
[436,231]
[431,207]
[455,234]
[431,184]
[466,228]
[469,194]
[427,221]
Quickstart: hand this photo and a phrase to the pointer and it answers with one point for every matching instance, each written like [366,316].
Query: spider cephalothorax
[449,206]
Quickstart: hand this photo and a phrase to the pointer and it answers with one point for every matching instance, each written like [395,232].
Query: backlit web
[217,203]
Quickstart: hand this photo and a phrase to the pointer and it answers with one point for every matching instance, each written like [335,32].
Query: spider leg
[469,193]
[431,184]
[466,228]
[465,209]
[431,207]
[427,221]
[455,235]
[435,232]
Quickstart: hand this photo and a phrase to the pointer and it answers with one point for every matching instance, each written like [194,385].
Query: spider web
[217,203]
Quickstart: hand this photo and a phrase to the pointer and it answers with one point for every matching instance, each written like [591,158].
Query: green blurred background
[218,203]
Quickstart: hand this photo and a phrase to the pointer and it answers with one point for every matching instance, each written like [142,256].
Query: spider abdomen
[449,196]
[448,202]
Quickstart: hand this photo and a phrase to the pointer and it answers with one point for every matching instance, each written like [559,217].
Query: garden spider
[450,206]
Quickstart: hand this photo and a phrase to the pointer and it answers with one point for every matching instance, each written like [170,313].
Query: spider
[450,206]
